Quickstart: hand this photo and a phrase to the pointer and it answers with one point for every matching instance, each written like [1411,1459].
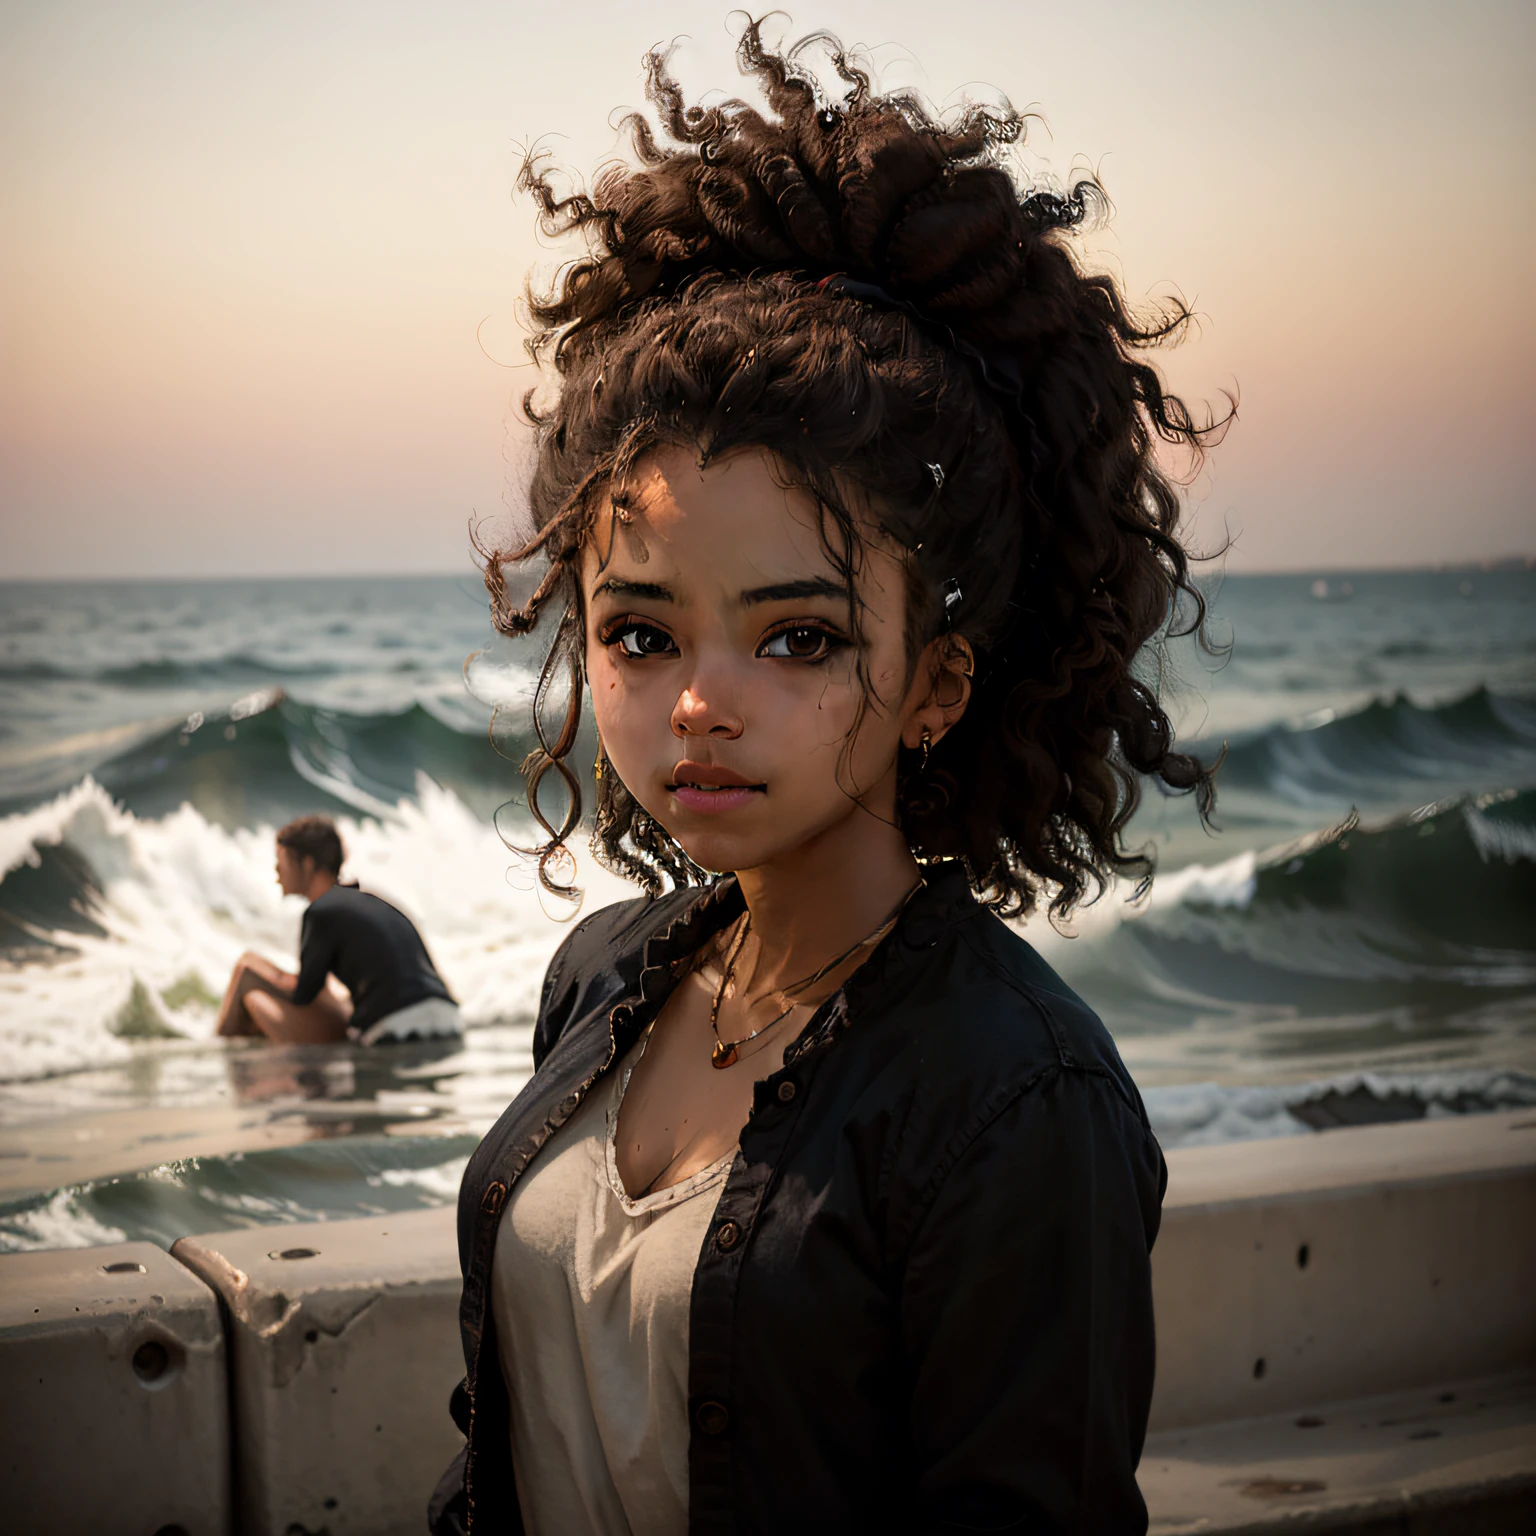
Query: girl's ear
[941,689]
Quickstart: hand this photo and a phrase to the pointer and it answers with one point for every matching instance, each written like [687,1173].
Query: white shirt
[590,1291]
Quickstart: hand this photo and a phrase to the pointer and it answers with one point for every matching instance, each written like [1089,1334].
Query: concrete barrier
[344,1347]
[1320,1268]
[1324,1305]
[115,1417]
[1455,1459]
[1322,1302]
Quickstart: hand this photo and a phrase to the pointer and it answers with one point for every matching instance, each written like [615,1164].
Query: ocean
[1356,941]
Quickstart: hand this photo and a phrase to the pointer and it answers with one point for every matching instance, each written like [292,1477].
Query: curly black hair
[864,292]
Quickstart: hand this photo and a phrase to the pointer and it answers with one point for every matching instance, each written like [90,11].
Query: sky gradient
[247,252]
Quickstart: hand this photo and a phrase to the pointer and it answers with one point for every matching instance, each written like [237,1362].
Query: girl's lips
[712,801]
[711,776]
[711,788]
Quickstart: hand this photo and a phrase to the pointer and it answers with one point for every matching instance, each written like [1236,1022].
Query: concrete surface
[1446,1459]
[115,1417]
[1341,1265]
[1293,1279]
[344,1347]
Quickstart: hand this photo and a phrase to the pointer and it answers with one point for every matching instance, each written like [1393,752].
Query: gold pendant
[722,1055]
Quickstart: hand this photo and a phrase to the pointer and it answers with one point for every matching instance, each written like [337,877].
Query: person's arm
[1027,1315]
[317,949]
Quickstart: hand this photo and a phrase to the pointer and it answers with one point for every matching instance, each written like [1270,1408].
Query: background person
[364,971]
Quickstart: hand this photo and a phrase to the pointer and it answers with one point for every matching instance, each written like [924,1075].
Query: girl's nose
[694,715]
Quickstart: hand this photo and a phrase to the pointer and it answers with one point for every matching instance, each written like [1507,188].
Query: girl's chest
[679,1112]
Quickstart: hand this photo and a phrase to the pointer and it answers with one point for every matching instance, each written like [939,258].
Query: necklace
[726,1053]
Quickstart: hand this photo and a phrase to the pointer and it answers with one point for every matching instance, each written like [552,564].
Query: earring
[925,746]
[597,762]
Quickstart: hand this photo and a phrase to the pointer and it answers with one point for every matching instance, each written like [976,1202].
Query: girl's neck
[822,898]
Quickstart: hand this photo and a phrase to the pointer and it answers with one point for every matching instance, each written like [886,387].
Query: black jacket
[924,1302]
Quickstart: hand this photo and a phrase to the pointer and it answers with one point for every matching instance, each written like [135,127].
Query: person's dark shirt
[924,1302]
[372,949]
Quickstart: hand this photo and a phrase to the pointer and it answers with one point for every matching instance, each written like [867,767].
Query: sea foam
[175,900]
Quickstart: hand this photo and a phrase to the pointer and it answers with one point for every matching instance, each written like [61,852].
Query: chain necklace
[726,1053]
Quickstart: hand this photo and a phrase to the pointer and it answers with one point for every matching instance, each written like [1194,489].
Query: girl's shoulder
[972,1061]
[1033,1002]
[984,1017]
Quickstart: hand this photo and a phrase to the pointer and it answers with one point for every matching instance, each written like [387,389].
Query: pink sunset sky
[248,250]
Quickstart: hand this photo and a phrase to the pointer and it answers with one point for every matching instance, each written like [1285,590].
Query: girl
[829,1205]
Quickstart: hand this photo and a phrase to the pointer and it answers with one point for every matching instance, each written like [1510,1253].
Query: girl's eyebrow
[649,589]
[788,591]
[779,592]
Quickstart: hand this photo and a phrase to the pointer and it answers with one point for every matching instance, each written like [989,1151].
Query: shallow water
[1356,942]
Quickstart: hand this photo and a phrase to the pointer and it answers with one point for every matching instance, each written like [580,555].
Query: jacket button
[727,1237]
[712,1418]
[786,1091]
[490,1201]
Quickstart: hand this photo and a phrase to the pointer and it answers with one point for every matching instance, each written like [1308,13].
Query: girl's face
[723,671]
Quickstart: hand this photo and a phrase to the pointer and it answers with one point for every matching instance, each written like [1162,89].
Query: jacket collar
[944,901]
[665,953]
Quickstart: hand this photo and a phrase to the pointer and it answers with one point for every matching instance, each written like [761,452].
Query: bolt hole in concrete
[151,1361]
[126,1267]
[294,1253]
[1258,1369]
[311,1335]
[1302,1255]
[155,1363]
[1309,1421]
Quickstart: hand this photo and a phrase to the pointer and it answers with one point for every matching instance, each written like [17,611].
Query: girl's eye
[801,642]
[639,640]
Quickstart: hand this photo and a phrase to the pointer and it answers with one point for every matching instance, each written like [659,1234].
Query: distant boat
[1323,593]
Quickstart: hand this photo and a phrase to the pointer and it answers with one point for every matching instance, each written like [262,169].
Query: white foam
[58,1224]
[1232,883]
[1070,946]
[180,894]
[440,1183]
[1496,839]
[1204,1114]
[23,834]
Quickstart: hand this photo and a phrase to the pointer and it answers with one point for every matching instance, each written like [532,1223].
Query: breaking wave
[1395,942]
[1391,751]
[268,756]
[119,927]
[105,914]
